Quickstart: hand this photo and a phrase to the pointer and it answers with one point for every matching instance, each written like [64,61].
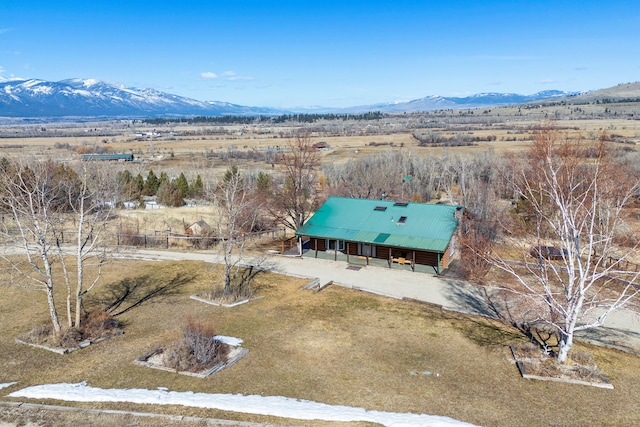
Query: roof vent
[380,208]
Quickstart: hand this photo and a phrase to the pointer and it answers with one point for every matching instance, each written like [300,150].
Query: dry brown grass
[188,150]
[337,346]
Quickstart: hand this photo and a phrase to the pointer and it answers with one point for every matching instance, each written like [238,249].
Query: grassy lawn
[337,346]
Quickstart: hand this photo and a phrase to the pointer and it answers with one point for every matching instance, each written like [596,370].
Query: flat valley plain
[176,144]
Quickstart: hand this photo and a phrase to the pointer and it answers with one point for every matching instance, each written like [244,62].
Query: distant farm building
[400,233]
[198,228]
[321,146]
[108,157]
[201,234]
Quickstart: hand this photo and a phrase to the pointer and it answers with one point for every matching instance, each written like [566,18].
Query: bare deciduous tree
[236,213]
[575,194]
[40,201]
[295,196]
[91,208]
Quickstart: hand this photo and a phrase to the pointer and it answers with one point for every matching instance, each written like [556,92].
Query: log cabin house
[397,232]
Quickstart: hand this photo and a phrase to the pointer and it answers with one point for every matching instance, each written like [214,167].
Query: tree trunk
[53,313]
[79,287]
[566,342]
[78,310]
[227,279]
[55,322]
[69,316]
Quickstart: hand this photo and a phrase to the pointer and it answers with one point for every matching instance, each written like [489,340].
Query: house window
[331,245]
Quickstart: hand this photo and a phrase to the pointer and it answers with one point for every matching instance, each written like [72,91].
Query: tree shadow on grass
[129,293]
[505,318]
[471,299]
[247,274]
[624,340]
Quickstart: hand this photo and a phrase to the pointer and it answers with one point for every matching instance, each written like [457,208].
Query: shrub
[70,338]
[97,323]
[196,350]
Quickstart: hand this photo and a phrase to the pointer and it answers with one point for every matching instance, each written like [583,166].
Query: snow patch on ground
[232,341]
[5,385]
[262,405]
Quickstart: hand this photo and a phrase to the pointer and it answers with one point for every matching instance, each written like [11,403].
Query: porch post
[335,253]
[438,269]
[316,241]
[413,262]
[347,252]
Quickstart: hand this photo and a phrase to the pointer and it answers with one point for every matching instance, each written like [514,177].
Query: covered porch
[396,263]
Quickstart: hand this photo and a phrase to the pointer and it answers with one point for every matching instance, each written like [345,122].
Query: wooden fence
[148,238]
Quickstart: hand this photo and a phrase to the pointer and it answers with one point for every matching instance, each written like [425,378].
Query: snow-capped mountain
[488,99]
[493,98]
[94,98]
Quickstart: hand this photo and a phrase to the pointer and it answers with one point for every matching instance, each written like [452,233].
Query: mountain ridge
[36,98]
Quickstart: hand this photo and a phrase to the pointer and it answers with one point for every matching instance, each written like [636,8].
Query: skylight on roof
[402,220]
[380,208]
[401,204]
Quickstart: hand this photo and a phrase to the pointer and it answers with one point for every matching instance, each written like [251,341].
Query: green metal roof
[425,227]
[87,157]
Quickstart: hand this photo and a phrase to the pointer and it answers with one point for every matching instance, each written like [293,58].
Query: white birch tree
[575,194]
[91,206]
[236,213]
[40,202]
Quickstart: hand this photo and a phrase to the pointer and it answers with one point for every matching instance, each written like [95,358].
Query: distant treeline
[300,118]
[590,102]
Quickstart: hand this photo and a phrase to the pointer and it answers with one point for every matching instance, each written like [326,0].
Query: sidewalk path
[621,330]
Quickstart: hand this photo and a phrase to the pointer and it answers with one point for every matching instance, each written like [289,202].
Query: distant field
[195,148]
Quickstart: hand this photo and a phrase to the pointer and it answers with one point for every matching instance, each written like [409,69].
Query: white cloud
[4,30]
[227,75]
[240,78]
[547,81]
[232,76]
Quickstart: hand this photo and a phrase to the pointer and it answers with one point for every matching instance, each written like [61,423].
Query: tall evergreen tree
[163,178]
[197,187]
[139,183]
[152,184]
[183,185]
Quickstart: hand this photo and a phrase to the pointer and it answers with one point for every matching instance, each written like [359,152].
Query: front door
[366,249]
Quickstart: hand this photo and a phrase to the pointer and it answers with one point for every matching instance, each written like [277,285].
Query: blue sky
[328,53]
